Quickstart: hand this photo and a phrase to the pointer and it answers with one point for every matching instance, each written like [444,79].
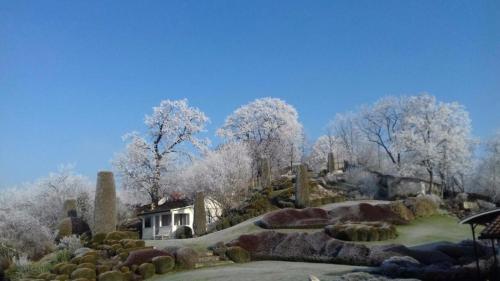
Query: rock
[238,254]
[293,218]
[99,238]
[186,258]
[105,203]
[302,188]
[146,270]
[119,235]
[362,231]
[102,268]
[62,277]
[485,205]
[111,276]
[86,273]
[66,268]
[355,254]
[87,265]
[88,259]
[64,228]
[139,257]
[219,249]
[46,276]
[401,261]
[132,243]
[163,264]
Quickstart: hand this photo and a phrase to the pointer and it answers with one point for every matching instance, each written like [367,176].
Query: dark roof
[169,205]
[492,231]
[481,218]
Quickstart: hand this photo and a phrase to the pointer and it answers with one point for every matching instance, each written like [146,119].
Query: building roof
[482,218]
[165,207]
[492,231]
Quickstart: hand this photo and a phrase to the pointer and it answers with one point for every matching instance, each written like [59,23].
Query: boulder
[186,258]
[86,265]
[66,268]
[82,251]
[362,231]
[119,235]
[163,264]
[62,277]
[111,276]
[238,254]
[86,273]
[72,226]
[139,257]
[146,270]
[102,268]
[294,218]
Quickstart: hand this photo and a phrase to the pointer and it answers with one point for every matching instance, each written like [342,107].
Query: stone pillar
[301,186]
[200,216]
[105,203]
[69,208]
[264,172]
[331,163]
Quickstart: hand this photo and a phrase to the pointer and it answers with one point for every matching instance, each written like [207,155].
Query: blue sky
[77,75]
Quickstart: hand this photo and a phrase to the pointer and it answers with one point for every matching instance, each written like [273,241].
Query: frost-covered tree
[29,214]
[318,157]
[486,177]
[173,130]
[270,127]
[223,174]
[436,138]
[381,124]
[413,136]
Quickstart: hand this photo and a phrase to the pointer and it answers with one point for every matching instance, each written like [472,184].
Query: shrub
[70,243]
[183,232]
[422,206]
[362,231]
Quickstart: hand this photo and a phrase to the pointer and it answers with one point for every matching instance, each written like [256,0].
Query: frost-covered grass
[432,229]
[262,271]
[423,230]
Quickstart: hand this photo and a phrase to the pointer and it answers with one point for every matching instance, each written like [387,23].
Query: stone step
[212,264]
[202,259]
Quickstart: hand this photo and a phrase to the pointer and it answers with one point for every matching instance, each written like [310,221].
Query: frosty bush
[70,243]
[29,214]
[364,180]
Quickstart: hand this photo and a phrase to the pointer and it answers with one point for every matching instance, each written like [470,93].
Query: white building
[162,221]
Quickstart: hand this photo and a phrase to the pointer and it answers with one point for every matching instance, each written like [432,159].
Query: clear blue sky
[77,75]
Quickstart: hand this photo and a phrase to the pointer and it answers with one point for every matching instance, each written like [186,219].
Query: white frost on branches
[147,161]
[223,174]
[270,127]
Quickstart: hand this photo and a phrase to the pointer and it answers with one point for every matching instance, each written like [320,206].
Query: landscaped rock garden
[439,261]
[115,256]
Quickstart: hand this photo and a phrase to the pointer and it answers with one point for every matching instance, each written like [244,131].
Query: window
[166,220]
[147,222]
[181,219]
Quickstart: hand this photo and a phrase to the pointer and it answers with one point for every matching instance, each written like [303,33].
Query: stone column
[105,203]
[69,208]
[264,172]
[200,216]
[301,186]
[331,163]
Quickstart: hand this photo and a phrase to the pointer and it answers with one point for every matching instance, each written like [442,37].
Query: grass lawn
[432,229]
[262,271]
